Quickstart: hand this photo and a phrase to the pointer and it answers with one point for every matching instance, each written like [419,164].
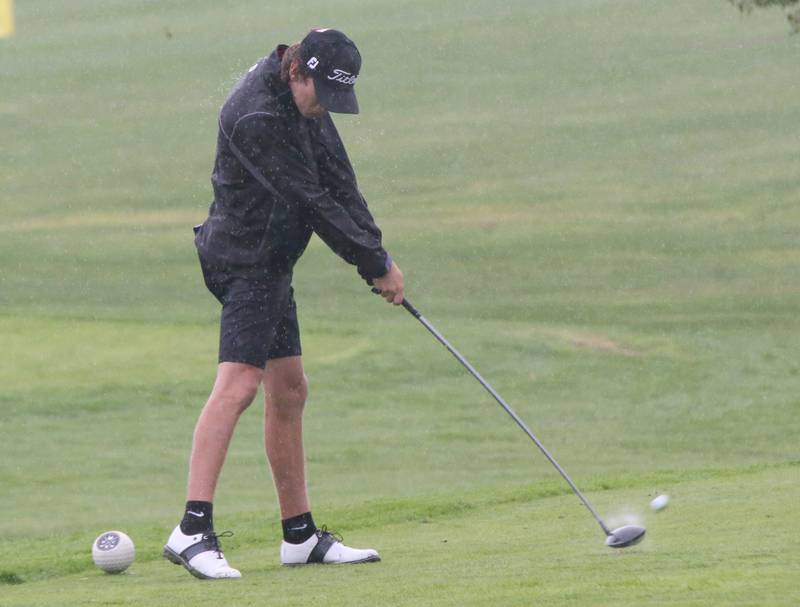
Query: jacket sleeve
[281,167]
[337,176]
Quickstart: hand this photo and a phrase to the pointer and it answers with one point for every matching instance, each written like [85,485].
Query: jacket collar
[272,75]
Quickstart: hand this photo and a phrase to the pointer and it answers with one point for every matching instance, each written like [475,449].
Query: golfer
[281,173]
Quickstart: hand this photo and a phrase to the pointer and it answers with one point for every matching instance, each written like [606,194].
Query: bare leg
[285,390]
[234,390]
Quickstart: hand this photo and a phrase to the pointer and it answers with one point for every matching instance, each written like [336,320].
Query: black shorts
[259,315]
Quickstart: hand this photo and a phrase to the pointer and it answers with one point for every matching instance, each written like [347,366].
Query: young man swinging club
[281,173]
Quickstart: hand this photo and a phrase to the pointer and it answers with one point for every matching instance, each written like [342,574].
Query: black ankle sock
[198,518]
[298,529]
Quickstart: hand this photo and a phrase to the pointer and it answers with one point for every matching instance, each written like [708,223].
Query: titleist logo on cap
[343,77]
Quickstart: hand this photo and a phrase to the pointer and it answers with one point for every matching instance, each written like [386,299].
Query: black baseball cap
[334,62]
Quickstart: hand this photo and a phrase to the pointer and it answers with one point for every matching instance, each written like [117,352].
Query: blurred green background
[596,202]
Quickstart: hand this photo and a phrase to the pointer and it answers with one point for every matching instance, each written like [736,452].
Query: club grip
[406,304]
[412,310]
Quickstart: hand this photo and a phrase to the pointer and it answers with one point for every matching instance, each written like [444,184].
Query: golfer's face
[305,98]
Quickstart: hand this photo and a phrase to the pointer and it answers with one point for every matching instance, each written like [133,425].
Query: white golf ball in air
[660,502]
[113,551]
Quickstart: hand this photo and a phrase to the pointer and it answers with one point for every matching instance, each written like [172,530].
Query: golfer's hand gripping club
[390,285]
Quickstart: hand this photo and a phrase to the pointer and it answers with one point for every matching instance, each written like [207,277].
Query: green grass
[467,550]
[596,202]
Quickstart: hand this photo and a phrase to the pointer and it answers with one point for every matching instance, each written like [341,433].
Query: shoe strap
[324,543]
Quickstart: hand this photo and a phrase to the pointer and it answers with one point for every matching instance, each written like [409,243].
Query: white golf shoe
[200,554]
[324,548]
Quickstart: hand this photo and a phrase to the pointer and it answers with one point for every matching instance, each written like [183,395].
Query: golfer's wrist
[375,267]
[388,265]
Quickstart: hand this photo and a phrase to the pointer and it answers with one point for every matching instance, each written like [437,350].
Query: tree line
[792,15]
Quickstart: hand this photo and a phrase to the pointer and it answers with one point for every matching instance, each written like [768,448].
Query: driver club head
[629,535]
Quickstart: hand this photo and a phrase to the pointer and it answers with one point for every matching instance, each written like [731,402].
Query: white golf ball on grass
[113,551]
[660,502]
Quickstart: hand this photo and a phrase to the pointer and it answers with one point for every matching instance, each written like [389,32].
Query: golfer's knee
[236,391]
[290,394]
[237,397]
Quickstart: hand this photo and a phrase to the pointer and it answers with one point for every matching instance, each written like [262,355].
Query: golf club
[621,537]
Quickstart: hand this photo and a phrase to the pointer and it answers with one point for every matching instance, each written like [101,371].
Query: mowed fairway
[596,202]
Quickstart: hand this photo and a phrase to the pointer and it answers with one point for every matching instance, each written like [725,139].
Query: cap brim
[336,100]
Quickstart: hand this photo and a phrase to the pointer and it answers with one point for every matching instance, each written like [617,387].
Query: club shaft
[465,363]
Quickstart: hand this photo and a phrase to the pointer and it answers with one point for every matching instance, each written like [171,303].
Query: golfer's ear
[293,67]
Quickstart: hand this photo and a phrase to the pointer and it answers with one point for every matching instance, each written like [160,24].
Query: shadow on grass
[11,578]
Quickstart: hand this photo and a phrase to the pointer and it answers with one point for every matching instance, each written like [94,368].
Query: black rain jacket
[277,178]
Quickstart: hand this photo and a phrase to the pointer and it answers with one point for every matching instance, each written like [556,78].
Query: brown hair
[294,54]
